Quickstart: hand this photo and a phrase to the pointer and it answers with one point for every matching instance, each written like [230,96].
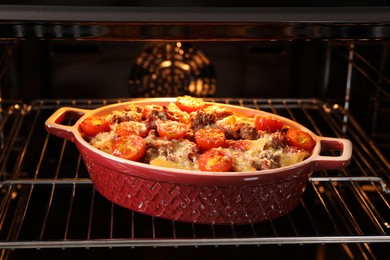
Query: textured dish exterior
[194,196]
[197,203]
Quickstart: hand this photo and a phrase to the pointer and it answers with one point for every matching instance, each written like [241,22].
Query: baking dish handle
[53,123]
[324,162]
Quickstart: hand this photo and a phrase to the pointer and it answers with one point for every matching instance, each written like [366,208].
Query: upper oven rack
[120,23]
[48,200]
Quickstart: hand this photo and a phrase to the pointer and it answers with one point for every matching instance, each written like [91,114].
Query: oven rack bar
[107,243]
[45,187]
[75,181]
[194,241]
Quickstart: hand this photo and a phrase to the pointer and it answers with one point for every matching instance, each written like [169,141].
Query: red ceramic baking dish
[197,196]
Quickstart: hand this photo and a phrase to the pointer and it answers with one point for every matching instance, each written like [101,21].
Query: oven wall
[102,69]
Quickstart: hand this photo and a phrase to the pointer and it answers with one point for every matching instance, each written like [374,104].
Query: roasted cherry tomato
[300,139]
[215,160]
[267,123]
[208,138]
[131,147]
[94,125]
[131,127]
[189,104]
[171,129]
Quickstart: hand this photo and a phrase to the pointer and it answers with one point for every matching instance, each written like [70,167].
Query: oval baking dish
[197,196]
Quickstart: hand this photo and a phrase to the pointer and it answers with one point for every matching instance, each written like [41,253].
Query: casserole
[196,196]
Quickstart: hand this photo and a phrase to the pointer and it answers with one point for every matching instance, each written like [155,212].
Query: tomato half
[208,138]
[189,104]
[300,139]
[131,147]
[215,160]
[131,127]
[93,125]
[171,129]
[267,123]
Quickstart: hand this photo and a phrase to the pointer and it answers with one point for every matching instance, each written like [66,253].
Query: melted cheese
[179,158]
[287,159]
[103,141]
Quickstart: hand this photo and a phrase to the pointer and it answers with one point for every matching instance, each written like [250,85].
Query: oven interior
[49,207]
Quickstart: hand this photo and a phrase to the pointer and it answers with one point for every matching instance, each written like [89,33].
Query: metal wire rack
[48,200]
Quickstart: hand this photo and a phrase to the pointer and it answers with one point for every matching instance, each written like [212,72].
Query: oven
[325,67]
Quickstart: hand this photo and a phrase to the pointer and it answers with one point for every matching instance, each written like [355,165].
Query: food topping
[189,104]
[91,126]
[215,160]
[300,139]
[131,147]
[208,138]
[194,135]
[267,123]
